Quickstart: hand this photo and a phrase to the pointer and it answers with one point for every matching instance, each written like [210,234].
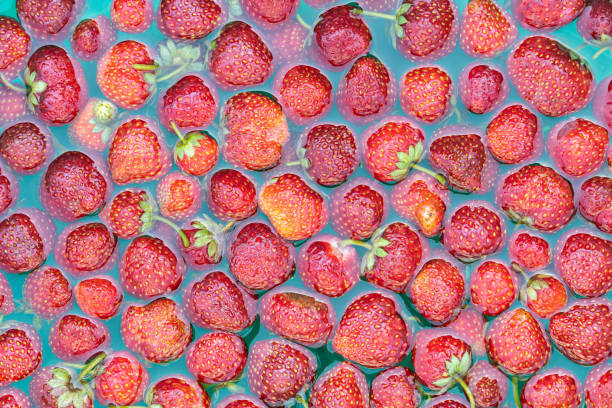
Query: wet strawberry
[26,147]
[93,127]
[177,391]
[99,296]
[517,343]
[544,295]
[217,302]
[189,20]
[602,104]
[91,37]
[279,371]
[131,16]
[514,135]
[470,325]
[196,153]
[9,188]
[595,202]
[122,379]
[447,401]
[556,387]
[482,87]
[7,304]
[179,196]
[216,357]
[486,29]
[270,14]
[231,195]
[342,385]
[12,105]
[21,352]
[11,397]
[395,387]
[77,338]
[597,387]
[240,401]
[48,292]
[488,385]
[372,332]
[426,93]
[48,19]
[287,42]
[595,23]
[546,14]
[206,243]
[129,213]
[493,287]
[54,384]
[15,47]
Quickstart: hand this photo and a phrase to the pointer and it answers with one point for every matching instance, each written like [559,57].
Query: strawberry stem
[356,242]
[302,22]
[379,15]
[174,227]
[176,130]
[294,163]
[91,365]
[11,85]
[146,67]
[228,226]
[466,390]
[520,270]
[173,73]
[601,51]
[300,398]
[515,387]
[441,179]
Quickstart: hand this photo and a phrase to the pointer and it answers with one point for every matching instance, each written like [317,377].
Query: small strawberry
[21,352]
[259,258]
[239,58]
[7,304]
[597,387]
[328,266]
[15,45]
[556,387]
[517,343]
[297,315]
[488,385]
[438,290]
[595,23]
[12,104]
[129,213]
[216,357]
[279,371]
[529,251]
[395,387]
[342,385]
[493,287]
[77,338]
[91,37]
[240,401]
[54,384]
[288,41]
[482,87]
[536,196]
[93,127]
[426,93]
[550,76]
[99,297]
[270,14]
[48,292]
[544,295]
[514,135]
[27,147]
[122,379]
[602,105]
[157,331]
[131,16]
[177,391]
[447,401]
[196,153]
[486,29]
[179,196]
[546,14]
[231,195]
[189,20]
[471,325]
[206,241]
[48,19]
[9,188]
[372,332]
[595,202]
[11,397]
[296,211]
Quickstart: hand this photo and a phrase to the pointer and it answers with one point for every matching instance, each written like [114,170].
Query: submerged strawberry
[493,287]
[48,292]
[77,338]
[555,387]
[514,135]
[91,37]
[529,251]
[232,195]
[196,153]
[544,295]
[7,304]
[602,105]
[595,23]
[546,14]
[99,297]
[179,196]
[48,19]
[488,385]
[270,14]
[9,189]
[597,386]
[12,104]
[216,357]
[93,127]
[21,352]
[240,401]
[54,384]
[395,387]
[122,379]
[595,202]
[482,87]
[11,397]
[448,401]
[85,248]
[15,45]
[287,42]
[426,93]
[340,386]
[27,147]
[177,391]
[486,29]
[189,20]
[131,16]
[471,325]
[206,242]
[129,213]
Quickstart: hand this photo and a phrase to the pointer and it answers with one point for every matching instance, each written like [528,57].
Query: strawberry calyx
[104,114]
[534,284]
[398,19]
[456,369]
[302,160]
[181,58]
[187,144]
[519,219]
[174,227]
[69,393]
[410,160]
[375,249]
[33,87]
[231,386]
[212,235]
[148,217]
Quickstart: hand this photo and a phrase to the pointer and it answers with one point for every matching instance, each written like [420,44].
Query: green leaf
[196,66]
[465,363]
[443,382]
[61,374]
[39,86]
[149,78]
[402,165]
[369,260]
[533,295]
[164,53]
[382,242]
[411,156]
[32,99]
[78,399]
[189,150]
[401,20]
[398,174]
[212,249]
[106,134]
[418,151]
[399,31]
[381,253]
[98,128]
[65,399]
[402,156]
[56,382]
[404,8]
[171,46]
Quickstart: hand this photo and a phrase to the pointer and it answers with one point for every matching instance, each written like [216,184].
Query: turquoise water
[382,48]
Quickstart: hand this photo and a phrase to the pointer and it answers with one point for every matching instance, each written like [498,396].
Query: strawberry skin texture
[179,196]
[493,288]
[343,385]
[122,380]
[131,16]
[11,397]
[177,391]
[123,213]
[21,351]
[471,325]
[48,292]
[48,19]
[544,295]
[287,42]
[7,303]
[595,202]
[189,20]
[543,15]
[15,45]
[553,388]
[77,338]
[598,387]
[231,195]
[26,147]
[395,387]
[425,93]
[514,135]
[216,357]
[91,37]
[486,29]
[270,14]
[595,23]
[488,385]
[482,87]
[99,297]
[240,401]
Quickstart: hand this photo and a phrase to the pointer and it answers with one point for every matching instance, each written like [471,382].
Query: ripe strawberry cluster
[442,312]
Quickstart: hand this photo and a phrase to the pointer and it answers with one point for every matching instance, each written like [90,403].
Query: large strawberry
[231,195]
[287,42]
[91,37]
[597,387]
[555,387]
[493,287]
[270,14]
[488,385]
[189,20]
[544,295]
[54,384]
[48,292]
[122,379]
[240,401]
[179,196]
[12,104]
[395,387]
[340,386]
[426,93]
[471,325]
[48,19]
[529,251]
[482,87]
[595,202]
[131,16]
[99,296]
[9,189]
[21,352]
[216,357]
[177,391]
[486,29]
[15,45]
[92,129]
[540,15]
[595,23]
[602,104]
[7,303]
[514,135]
[77,338]
[11,397]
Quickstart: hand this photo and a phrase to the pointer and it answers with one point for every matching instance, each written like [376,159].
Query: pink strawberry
[27,147]
[486,29]
[93,127]
[15,47]
[179,196]
[343,385]
[602,104]
[556,387]
[48,19]
[11,397]
[488,385]
[131,16]
[196,153]
[206,243]
[231,195]
[471,325]
[12,104]
[9,189]
[597,387]
[270,14]
[240,401]
[54,384]
[91,37]
[482,87]
[514,135]
[493,287]
[122,379]
[21,352]
[546,14]
[447,401]
[189,20]
[595,202]
[216,357]
[129,213]
[395,387]
[77,338]
[99,297]
[595,23]
[544,295]
[7,304]
[288,41]
[177,391]
[48,292]
[426,93]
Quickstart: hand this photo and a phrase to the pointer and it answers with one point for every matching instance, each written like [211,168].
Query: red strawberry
[54,384]
[447,401]
[15,47]
[426,93]
[544,295]
[179,196]
[556,387]
[270,14]
[482,87]
[595,202]
[536,196]
[21,352]
[196,153]
[9,188]
[438,290]
[26,239]
[343,385]
[372,332]
[597,387]
[297,315]
[231,195]
[77,338]
[217,302]
[92,128]
[259,258]
[288,41]
[578,146]
[488,385]
[138,152]
[48,292]
[328,266]
[340,36]
[279,371]
[296,211]
[304,92]
[131,16]
[11,397]
[177,391]
[91,37]
[602,105]
[189,20]
[7,304]
[149,268]
[12,104]
[157,331]
[122,379]
[486,29]
[517,343]
[379,5]
[240,401]
[493,287]
[550,76]
[367,92]
[99,297]
[206,241]
[471,325]
[27,147]
[546,14]
[395,387]
[595,23]
[129,213]
[514,135]
[216,357]
[48,19]
[239,58]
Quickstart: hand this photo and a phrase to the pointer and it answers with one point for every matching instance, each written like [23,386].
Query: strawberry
[486,29]
[177,391]
[217,302]
[179,196]
[328,266]
[470,325]
[556,387]
[514,135]
[196,153]
[122,379]
[546,14]
[395,387]
[259,258]
[544,295]
[15,47]
[582,331]
[99,297]
[91,37]
[447,401]
[231,195]
[27,147]
[297,315]
[239,58]
[9,188]
[92,128]
[597,387]
[21,352]
[138,152]
[602,104]
[77,338]
[482,87]
[595,202]
[255,130]
[189,20]
[240,401]
[343,385]
[438,290]
[84,248]
[340,36]
[48,292]
[304,92]
[54,384]
[550,76]
[7,304]
[131,16]
[270,14]
[149,267]
[595,23]
[26,239]
[367,92]
[536,196]
[379,5]
[422,200]
[48,19]
[517,343]
[488,385]
[288,41]
[129,213]
[584,261]
[157,331]
[12,104]
[426,93]
[328,153]
[578,146]
[296,211]
[216,357]
[372,332]
[11,397]
[474,230]
[358,209]
[493,287]
[206,243]
[279,371]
